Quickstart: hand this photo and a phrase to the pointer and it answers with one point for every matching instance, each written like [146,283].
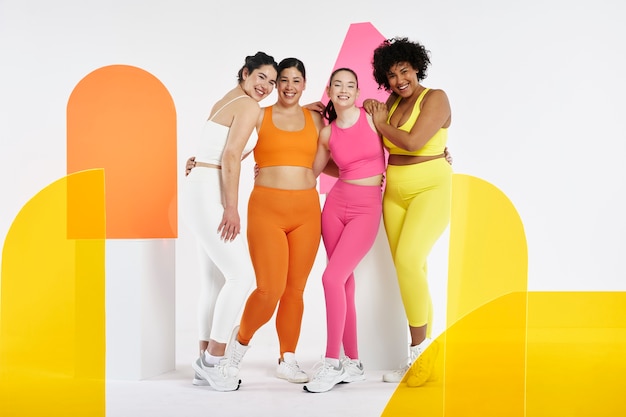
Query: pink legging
[350,223]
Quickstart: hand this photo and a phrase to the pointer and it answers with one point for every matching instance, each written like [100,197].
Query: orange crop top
[434,146]
[277,147]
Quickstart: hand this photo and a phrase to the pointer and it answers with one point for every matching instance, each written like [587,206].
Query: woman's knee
[331,282]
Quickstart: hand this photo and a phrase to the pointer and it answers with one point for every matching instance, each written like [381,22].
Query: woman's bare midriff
[374,180]
[286,178]
[410,159]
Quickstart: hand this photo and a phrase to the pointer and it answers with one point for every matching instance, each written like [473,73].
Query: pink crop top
[357,150]
[277,147]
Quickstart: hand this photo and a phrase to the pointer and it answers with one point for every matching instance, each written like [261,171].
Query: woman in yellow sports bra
[416,205]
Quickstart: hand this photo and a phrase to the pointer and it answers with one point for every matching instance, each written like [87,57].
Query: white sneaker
[199,381]
[326,377]
[289,369]
[354,369]
[422,368]
[425,358]
[235,352]
[216,375]
[396,375]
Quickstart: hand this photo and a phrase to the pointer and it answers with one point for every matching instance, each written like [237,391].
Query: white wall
[537,89]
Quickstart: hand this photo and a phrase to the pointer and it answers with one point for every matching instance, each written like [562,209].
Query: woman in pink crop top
[416,204]
[350,222]
[209,203]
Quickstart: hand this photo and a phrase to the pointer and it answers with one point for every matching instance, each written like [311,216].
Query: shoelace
[322,369]
[222,367]
[236,357]
[293,366]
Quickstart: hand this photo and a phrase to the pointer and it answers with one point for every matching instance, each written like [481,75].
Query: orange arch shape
[122,119]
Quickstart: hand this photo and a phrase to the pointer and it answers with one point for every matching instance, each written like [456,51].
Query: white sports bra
[212,141]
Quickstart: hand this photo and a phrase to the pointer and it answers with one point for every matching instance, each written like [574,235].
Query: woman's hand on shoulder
[370,104]
[316,106]
[379,114]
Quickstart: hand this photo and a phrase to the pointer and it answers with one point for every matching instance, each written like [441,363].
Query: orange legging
[284,229]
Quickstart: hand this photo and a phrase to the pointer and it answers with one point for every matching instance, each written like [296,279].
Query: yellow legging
[416,211]
[284,232]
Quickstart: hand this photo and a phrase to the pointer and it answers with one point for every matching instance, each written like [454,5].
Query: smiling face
[402,78]
[291,84]
[343,89]
[260,83]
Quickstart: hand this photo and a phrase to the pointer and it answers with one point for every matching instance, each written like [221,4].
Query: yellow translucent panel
[52,323]
[576,354]
[508,352]
[485,360]
[85,214]
[487,283]
[480,369]
[488,256]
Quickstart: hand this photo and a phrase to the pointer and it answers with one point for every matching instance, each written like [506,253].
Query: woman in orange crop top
[284,225]
[416,204]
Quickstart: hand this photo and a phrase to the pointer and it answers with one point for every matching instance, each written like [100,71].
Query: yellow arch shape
[52,321]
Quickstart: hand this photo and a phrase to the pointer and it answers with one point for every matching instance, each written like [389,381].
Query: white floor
[260,394]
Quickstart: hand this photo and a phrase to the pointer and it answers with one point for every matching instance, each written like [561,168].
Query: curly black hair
[395,50]
[256,61]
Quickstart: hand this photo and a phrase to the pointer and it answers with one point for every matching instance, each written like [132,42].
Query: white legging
[225,268]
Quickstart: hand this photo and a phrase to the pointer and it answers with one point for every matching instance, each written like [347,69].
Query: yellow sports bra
[434,146]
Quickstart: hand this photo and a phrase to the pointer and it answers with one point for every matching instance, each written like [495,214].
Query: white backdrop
[537,91]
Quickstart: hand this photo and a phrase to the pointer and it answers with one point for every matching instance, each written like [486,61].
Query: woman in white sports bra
[209,207]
